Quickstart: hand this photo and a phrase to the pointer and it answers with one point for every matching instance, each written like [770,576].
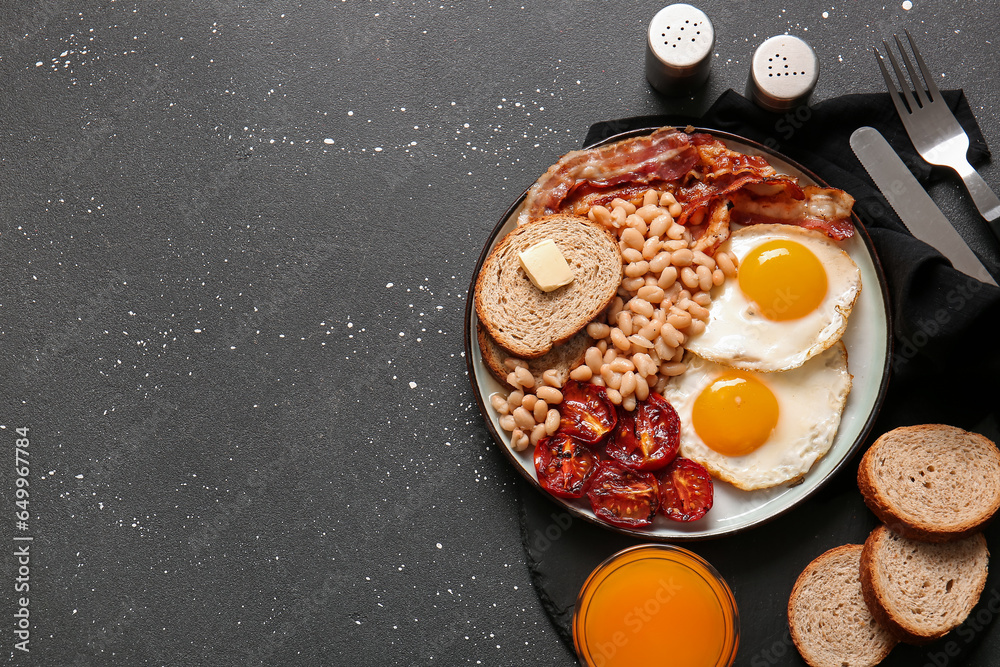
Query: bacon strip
[665,155]
[824,209]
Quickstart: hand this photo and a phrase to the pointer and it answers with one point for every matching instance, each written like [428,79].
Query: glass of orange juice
[656,604]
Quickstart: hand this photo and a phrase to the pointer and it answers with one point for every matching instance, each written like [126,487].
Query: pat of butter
[545,265]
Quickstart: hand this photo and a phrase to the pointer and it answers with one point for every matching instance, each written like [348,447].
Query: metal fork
[932,126]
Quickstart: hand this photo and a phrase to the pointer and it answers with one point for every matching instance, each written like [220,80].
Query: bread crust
[878,499]
[803,643]
[503,259]
[876,598]
[561,358]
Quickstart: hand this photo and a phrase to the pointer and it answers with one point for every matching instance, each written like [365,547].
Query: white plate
[868,348]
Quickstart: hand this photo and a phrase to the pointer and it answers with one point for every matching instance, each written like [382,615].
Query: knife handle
[982,195]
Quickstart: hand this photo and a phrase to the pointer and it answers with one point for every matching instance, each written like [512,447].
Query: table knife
[912,203]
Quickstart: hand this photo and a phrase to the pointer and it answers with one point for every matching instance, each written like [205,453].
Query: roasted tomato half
[686,490]
[648,437]
[564,464]
[623,497]
[586,412]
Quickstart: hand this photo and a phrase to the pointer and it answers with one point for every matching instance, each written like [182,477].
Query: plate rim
[469,335]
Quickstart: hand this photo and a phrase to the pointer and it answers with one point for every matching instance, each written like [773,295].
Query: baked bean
[662,348]
[637,223]
[651,247]
[682,257]
[648,213]
[622,365]
[639,321]
[600,214]
[637,269]
[697,311]
[602,345]
[660,261]
[651,293]
[581,373]
[624,322]
[644,364]
[618,217]
[639,341]
[612,379]
[650,197]
[619,339]
[704,277]
[660,224]
[633,284]
[614,396]
[616,305]
[529,402]
[507,423]
[697,326]
[514,399]
[540,410]
[702,299]
[598,330]
[551,378]
[650,279]
[519,440]
[609,355]
[523,418]
[597,380]
[702,259]
[667,278]
[651,330]
[689,278]
[552,421]
[672,368]
[524,377]
[725,262]
[499,404]
[667,198]
[629,403]
[641,388]
[674,244]
[679,319]
[537,434]
[718,277]
[676,232]
[633,238]
[631,255]
[550,395]
[671,336]
[627,205]
[593,358]
[627,383]
[641,306]
[675,210]
[512,363]
[512,380]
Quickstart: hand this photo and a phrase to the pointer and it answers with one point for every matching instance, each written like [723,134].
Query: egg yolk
[784,278]
[735,414]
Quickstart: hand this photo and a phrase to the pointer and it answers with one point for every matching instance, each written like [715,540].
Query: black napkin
[944,369]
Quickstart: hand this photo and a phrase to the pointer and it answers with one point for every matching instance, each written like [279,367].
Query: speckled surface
[237,239]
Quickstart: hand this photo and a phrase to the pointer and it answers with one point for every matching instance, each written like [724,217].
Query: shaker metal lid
[679,45]
[783,73]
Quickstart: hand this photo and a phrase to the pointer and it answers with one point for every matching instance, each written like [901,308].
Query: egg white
[738,335]
[811,399]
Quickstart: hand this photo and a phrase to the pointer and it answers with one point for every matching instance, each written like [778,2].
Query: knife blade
[912,203]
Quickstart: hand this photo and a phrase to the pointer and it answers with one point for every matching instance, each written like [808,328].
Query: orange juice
[656,605]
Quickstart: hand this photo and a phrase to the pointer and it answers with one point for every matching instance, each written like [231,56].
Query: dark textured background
[236,243]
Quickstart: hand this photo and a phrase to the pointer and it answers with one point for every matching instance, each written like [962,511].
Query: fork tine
[918,84]
[907,94]
[891,85]
[928,77]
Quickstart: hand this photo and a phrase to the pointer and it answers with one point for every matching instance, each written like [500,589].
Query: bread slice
[528,322]
[561,358]
[932,482]
[918,590]
[827,616]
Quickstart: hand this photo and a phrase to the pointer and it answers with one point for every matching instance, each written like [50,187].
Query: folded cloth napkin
[944,367]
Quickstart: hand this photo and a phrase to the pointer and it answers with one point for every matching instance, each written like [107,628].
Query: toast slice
[561,358]
[524,320]
[827,616]
[932,482]
[920,591]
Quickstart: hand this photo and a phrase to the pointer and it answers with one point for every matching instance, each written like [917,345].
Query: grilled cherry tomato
[623,497]
[586,413]
[686,490]
[564,464]
[648,437]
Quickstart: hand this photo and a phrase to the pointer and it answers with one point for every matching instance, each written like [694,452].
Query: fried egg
[759,430]
[790,300]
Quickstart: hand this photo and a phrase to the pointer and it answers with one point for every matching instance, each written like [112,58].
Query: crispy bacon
[714,184]
[665,155]
[824,209]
